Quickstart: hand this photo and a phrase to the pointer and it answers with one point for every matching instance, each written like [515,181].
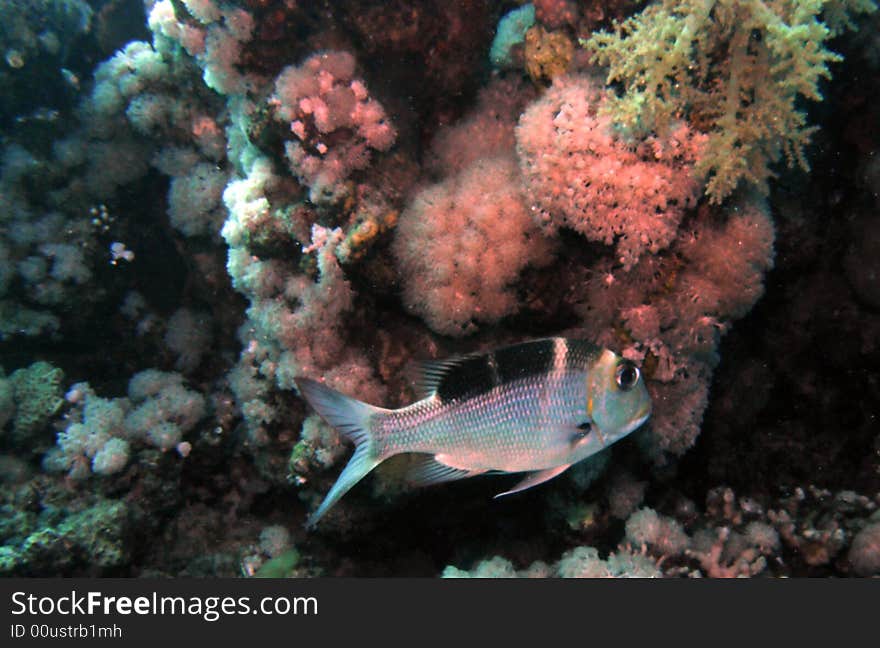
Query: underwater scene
[440,288]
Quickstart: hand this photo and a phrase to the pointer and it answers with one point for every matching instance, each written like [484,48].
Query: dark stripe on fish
[581,353]
[527,359]
[476,374]
[467,376]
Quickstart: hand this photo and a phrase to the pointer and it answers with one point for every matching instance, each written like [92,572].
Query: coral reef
[633,193]
[454,237]
[511,32]
[59,539]
[209,198]
[580,562]
[547,54]
[322,101]
[731,537]
[746,98]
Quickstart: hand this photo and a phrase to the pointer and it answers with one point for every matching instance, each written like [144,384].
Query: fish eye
[627,375]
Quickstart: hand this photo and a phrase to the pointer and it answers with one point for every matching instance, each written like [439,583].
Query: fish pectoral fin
[427,470]
[535,478]
[580,432]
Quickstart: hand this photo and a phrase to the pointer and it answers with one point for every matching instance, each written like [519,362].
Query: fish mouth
[641,417]
[636,423]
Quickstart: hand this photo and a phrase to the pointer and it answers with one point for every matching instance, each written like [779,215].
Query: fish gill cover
[202,201]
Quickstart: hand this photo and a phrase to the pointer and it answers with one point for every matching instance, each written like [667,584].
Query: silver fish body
[535,407]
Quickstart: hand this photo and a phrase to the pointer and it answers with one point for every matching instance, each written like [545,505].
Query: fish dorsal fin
[479,372]
[426,470]
[535,478]
[429,375]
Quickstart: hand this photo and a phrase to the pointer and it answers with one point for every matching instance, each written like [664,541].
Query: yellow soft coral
[735,68]
[548,53]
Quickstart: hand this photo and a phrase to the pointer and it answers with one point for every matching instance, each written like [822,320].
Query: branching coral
[101,432]
[461,243]
[684,276]
[547,54]
[736,67]
[731,538]
[486,131]
[214,35]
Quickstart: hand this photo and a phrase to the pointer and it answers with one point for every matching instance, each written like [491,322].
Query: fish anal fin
[427,470]
[535,478]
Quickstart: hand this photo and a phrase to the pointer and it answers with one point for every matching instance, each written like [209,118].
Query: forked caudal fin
[351,418]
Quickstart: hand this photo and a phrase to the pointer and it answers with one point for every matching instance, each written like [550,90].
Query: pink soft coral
[582,174]
[675,307]
[461,244]
[333,121]
[486,131]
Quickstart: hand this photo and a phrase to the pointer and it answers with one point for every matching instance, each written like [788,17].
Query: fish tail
[351,418]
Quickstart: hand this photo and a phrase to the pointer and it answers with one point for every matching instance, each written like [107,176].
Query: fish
[70,78]
[536,407]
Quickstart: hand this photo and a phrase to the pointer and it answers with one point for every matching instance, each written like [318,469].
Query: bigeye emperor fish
[536,407]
